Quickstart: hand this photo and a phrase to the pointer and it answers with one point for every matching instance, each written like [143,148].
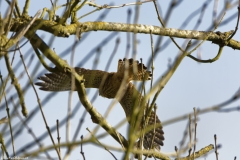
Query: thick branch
[17,85]
[67,30]
[95,114]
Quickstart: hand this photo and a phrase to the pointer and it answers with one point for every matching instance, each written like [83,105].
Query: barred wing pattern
[109,84]
[60,81]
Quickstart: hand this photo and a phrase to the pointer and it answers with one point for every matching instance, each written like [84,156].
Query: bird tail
[155,137]
[136,71]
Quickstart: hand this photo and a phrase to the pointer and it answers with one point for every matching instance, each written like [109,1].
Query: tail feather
[157,136]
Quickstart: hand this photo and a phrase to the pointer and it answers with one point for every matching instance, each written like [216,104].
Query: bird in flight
[113,85]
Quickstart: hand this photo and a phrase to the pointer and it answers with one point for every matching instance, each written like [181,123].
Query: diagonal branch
[62,65]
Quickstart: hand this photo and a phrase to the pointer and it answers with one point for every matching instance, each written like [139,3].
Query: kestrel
[113,85]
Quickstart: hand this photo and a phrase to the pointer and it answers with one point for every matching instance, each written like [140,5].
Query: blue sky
[192,85]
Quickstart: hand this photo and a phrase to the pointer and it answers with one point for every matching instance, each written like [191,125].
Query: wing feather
[60,81]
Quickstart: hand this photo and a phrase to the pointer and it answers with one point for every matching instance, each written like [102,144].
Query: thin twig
[7,29]
[30,131]
[214,108]
[40,106]
[181,148]
[128,44]
[118,6]
[152,67]
[81,151]
[58,136]
[236,28]
[209,60]
[214,15]
[216,147]
[190,130]
[3,146]
[159,18]
[195,132]
[9,118]
[101,144]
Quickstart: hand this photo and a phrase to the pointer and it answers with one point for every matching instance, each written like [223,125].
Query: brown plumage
[112,85]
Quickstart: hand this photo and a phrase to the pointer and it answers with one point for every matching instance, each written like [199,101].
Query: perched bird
[113,85]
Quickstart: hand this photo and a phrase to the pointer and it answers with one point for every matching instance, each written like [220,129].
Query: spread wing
[108,84]
[60,81]
[127,103]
